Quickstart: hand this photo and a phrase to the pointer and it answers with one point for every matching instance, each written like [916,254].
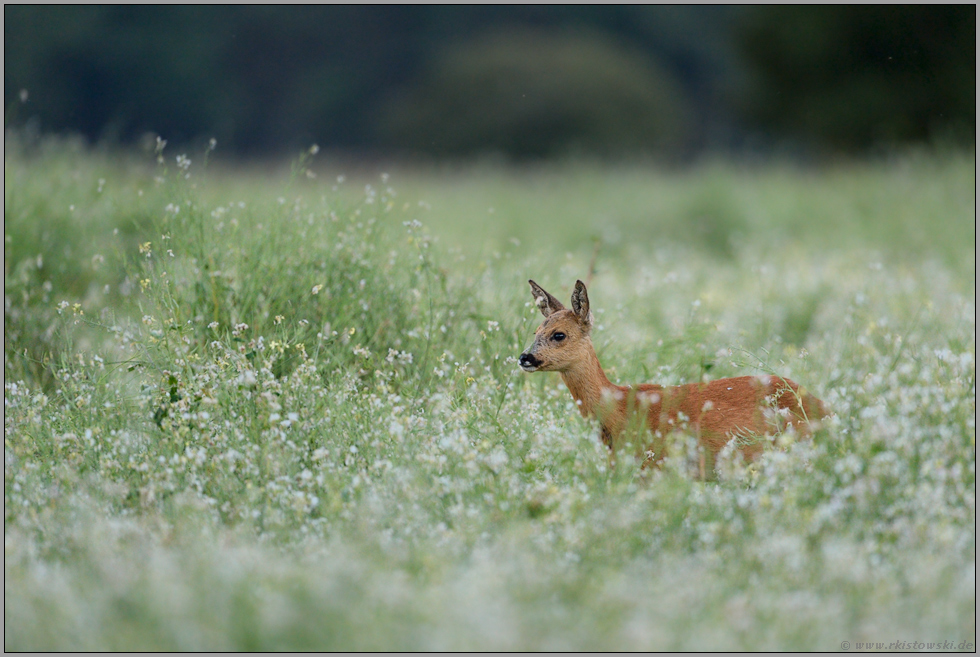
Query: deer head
[562,341]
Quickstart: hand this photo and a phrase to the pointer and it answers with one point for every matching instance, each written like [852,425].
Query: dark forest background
[526,82]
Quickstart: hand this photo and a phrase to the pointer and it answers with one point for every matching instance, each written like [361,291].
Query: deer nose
[529,361]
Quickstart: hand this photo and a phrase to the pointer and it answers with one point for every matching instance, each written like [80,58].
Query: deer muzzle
[530,362]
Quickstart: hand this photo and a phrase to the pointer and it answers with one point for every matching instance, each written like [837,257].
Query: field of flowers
[263,409]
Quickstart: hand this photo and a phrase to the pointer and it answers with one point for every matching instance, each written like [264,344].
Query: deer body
[745,407]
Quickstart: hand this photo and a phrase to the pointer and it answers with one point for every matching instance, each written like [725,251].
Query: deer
[746,409]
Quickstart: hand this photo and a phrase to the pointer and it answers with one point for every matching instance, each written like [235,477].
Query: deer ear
[580,303]
[547,303]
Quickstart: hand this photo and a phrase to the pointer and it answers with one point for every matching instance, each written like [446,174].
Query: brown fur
[745,408]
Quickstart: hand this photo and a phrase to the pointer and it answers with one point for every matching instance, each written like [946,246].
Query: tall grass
[284,412]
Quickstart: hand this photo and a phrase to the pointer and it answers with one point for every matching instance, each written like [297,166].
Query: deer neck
[588,383]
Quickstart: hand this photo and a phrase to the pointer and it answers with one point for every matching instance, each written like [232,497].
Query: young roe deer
[744,408]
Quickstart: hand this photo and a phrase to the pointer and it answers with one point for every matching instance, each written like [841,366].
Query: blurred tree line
[524,81]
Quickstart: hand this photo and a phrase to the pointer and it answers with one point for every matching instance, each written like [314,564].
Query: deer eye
[557,336]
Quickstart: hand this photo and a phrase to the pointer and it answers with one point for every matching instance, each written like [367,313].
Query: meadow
[279,408]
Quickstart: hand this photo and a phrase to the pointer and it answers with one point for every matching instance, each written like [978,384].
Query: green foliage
[177,480]
[852,77]
[905,209]
[69,216]
[531,93]
[271,79]
[263,79]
